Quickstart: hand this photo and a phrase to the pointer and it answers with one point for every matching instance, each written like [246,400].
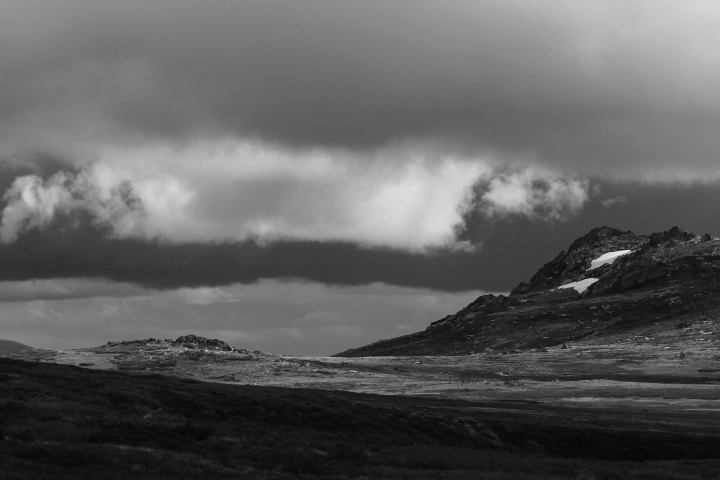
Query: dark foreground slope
[670,282]
[58,421]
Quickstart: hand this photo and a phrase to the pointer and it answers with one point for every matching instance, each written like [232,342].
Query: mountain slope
[9,346]
[666,288]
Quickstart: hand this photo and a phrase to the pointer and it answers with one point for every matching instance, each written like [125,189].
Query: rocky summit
[609,284]
[190,341]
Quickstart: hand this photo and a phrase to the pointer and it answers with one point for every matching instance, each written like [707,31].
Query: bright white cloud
[34,204]
[231,190]
[234,190]
[534,194]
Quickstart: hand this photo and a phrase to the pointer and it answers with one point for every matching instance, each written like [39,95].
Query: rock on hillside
[667,279]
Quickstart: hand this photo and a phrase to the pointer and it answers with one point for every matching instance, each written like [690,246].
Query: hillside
[10,346]
[663,287]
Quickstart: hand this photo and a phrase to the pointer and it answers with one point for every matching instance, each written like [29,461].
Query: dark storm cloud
[84,251]
[596,87]
[512,250]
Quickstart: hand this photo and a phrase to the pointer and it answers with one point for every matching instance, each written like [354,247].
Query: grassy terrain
[66,422]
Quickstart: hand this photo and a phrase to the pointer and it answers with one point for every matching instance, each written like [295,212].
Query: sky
[304,177]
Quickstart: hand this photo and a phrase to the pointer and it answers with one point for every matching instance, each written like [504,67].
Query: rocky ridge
[668,282]
[153,355]
[188,341]
[572,265]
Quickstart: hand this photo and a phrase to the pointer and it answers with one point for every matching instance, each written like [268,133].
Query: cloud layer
[535,195]
[227,191]
[375,124]
[616,89]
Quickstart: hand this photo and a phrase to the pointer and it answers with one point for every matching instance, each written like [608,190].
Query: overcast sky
[310,176]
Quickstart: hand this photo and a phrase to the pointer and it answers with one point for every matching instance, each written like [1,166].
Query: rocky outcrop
[572,265]
[187,341]
[675,233]
[483,305]
[666,256]
[632,276]
[194,341]
[490,303]
[650,261]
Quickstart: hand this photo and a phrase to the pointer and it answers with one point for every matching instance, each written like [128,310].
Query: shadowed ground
[562,413]
[60,421]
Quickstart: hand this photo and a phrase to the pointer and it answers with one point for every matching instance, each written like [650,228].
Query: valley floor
[457,420]
[596,374]
[662,399]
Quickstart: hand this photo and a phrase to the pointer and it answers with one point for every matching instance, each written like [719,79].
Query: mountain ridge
[665,276]
[10,346]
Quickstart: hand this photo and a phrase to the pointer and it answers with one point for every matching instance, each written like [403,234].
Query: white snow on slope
[606,258]
[580,286]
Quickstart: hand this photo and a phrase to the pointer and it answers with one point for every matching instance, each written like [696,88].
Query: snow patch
[606,258]
[580,286]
